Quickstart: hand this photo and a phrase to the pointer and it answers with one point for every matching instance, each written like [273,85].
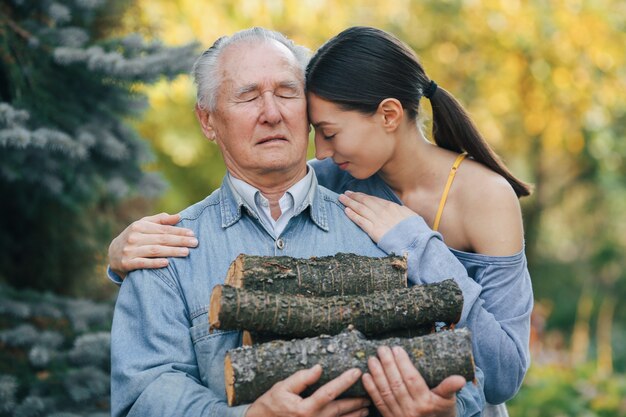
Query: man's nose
[270,113]
[323,148]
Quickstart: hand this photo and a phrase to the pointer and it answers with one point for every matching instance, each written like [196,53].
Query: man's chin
[281,165]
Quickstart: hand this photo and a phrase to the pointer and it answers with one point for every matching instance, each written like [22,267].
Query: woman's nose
[323,148]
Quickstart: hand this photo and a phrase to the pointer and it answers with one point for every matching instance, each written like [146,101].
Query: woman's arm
[148,242]
[496,308]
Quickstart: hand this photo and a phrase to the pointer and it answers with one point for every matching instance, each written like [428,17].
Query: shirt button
[280,243]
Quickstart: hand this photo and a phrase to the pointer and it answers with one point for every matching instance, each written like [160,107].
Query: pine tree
[67,152]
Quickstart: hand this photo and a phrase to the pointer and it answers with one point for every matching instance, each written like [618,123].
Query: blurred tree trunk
[580,336]
[604,333]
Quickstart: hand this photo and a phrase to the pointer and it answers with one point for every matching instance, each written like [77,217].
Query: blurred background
[97,129]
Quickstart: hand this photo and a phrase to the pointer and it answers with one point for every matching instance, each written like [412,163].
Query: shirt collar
[237,193]
[252,197]
[246,192]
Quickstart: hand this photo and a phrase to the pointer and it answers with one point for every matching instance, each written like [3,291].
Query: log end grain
[247,339]
[401,264]
[234,276]
[229,380]
[215,307]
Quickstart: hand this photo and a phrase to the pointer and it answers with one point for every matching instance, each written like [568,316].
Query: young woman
[364,89]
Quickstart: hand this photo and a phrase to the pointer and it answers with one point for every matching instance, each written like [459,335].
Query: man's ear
[204,117]
[391,112]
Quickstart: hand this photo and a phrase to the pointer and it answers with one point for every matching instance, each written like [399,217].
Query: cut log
[296,316]
[255,338]
[341,274]
[406,333]
[251,371]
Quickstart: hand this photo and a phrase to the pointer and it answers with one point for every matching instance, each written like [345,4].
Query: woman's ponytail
[454,130]
[362,66]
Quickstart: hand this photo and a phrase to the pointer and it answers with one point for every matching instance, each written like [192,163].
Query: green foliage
[558,391]
[54,354]
[542,80]
[68,153]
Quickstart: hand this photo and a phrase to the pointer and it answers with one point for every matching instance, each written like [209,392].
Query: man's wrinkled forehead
[239,61]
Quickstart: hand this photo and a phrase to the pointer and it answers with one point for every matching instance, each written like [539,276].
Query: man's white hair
[205,71]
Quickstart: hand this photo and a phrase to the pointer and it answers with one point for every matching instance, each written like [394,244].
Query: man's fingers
[394,377]
[380,379]
[299,381]
[358,413]
[347,407]
[412,378]
[372,390]
[332,389]
[450,386]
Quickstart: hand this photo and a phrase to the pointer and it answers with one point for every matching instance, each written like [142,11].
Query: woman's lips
[343,165]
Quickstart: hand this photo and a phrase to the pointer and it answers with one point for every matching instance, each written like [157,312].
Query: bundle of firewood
[280,298]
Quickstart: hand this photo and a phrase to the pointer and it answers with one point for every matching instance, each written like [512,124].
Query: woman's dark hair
[362,66]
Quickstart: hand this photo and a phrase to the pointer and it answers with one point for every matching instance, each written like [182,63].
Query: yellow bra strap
[446,190]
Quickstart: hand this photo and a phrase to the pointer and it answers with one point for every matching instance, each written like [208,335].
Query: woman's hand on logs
[398,390]
[146,243]
[284,399]
[374,215]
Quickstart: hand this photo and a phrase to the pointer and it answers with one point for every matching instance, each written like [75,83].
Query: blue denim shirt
[164,361]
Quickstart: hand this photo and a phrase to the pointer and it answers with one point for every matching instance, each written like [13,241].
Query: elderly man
[165,362]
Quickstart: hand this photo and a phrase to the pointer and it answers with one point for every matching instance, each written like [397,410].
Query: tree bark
[341,274]
[251,371]
[297,316]
[256,338]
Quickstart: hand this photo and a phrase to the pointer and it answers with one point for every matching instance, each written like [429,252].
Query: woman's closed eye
[326,135]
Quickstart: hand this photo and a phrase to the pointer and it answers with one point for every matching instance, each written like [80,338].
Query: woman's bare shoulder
[492,218]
